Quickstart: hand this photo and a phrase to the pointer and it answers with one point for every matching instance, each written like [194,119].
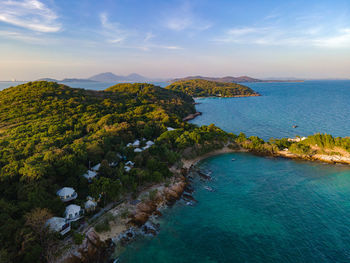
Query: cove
[262,210]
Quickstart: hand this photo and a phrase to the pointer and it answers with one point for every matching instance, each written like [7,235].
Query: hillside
[205,88]
[50,133]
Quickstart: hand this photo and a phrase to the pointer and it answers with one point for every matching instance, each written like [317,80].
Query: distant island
[206,88]
[110,77]
[66,80]
[241,79]
[107,77]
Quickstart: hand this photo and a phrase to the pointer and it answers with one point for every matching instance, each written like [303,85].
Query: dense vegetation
[313,144]
[50,134]
[206,88]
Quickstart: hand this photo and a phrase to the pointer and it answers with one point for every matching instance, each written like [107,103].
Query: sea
[262,209]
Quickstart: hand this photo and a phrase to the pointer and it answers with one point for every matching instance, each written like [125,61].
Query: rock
[157,213]
[91,250]
[204,176]
[184,171]
[148,207]
[189,189]
[139,218]
[150,229]
[188,197]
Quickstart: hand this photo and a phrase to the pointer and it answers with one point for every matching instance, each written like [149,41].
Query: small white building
[90,206]
[127,168]
[136,143]
[129,144]
[58,224]
[67,194]
[96,167]
[149,143]
[89,175]
[170,129]
[130,163]
[137,150]
[73,213]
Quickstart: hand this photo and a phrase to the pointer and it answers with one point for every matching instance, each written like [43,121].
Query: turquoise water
[315,106]
[262,210]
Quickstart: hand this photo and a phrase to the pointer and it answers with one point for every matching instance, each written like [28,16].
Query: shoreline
[139,219]
[227,97]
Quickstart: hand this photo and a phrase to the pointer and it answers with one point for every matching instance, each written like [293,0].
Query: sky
[174,38]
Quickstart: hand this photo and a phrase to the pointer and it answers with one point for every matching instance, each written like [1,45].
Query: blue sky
[174,38]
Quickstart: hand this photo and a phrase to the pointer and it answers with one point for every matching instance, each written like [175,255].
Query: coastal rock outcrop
[139,218]
[174,193]
[92,249]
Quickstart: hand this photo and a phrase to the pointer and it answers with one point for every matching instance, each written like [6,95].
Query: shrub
[78,238]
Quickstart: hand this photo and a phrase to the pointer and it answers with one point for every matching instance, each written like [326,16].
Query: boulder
[139,218]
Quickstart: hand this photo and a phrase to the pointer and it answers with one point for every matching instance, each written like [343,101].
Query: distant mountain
[77,80]
[241,79]
[110,77]
[66,80]
[48,79]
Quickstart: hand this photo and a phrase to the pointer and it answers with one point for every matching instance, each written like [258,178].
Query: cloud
[112,30]
[29,14]
[319,36]
[122,37]
[341,39]
[183,18]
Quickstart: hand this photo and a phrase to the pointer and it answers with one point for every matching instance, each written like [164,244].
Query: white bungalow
[136,143]
[149,143]
[170,129]
[145,147]
[127,168]
[58,224]
[130,163]
[96,167]
[73,213]
[90,205]
[67,194]
[129,144]
[138,150]
[89,175]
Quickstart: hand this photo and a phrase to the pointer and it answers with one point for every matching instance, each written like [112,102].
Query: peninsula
[206,88]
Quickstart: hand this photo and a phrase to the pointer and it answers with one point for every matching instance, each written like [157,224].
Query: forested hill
[50,132]
[206,88]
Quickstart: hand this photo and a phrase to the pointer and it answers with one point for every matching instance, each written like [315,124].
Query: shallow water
[315,106]
[262,210]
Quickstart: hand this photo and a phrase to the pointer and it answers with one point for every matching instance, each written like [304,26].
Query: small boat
[189,203]
[233,159]
[295,126]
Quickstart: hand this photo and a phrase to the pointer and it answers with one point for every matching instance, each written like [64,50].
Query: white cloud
[116,34]
[277,36]
[341,39]
[29,14]
[183,18]
[112,30]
